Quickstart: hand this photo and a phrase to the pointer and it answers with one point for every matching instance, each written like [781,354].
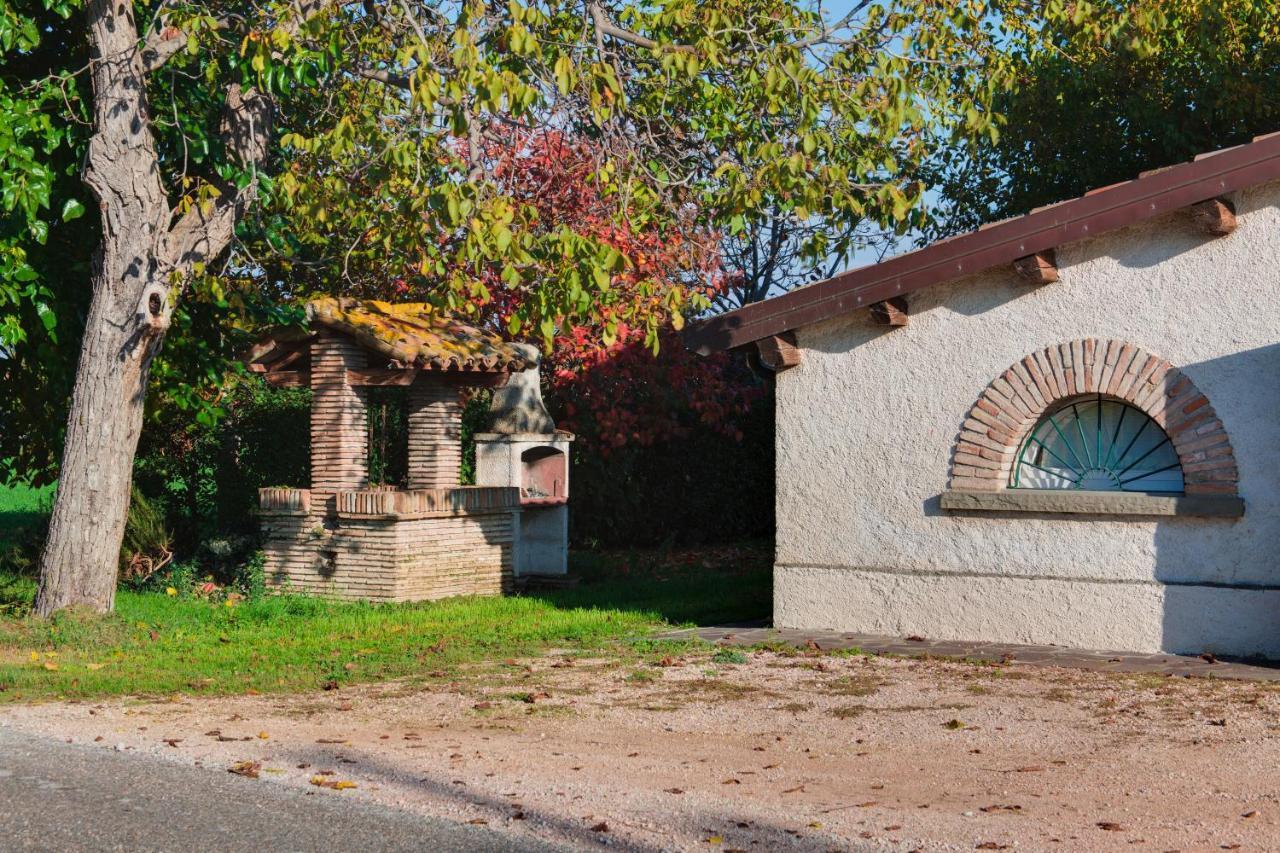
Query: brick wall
[450,543]
[435,433]
[339,438]
[1015,401]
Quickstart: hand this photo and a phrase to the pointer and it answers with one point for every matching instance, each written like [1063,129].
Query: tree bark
[80,559]
[145,250]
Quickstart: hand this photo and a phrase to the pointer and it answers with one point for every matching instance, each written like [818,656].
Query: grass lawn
[20,506]
[156,644]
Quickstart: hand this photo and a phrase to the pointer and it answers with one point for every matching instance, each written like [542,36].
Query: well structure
[432,538]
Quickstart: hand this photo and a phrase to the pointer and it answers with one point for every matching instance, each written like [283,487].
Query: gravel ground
[803,753]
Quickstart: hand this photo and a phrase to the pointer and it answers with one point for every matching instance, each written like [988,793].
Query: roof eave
[1152,194]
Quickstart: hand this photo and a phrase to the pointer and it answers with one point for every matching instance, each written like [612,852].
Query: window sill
[1093,503]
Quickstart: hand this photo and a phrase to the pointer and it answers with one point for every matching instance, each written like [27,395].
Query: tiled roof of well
[417,335]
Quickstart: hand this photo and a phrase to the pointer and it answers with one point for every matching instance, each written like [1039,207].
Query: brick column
[339,434]
[435,434]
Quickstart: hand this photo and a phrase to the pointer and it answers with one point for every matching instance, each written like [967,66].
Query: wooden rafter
[779,352]
[890,312]
[1040,268]
[1216,217]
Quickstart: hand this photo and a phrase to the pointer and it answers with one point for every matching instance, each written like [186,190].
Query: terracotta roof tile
[417,335]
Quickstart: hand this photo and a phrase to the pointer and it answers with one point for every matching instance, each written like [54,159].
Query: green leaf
[72,209]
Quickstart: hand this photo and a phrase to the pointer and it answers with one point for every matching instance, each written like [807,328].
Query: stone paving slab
[1012,654]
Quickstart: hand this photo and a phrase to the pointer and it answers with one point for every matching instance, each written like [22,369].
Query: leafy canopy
[702,118]
[1132,86]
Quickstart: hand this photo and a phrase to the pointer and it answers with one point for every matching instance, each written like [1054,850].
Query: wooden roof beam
[1040,268]
[1215,217]
[779,352]
[891,312]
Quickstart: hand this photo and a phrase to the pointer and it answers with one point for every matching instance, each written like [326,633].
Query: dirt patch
[807,753]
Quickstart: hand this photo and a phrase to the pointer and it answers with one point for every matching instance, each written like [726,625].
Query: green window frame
[1098,443]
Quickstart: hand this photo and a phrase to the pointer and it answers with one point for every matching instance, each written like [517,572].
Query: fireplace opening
[544,475]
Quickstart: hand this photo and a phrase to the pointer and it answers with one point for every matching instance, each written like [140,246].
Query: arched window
[1098,444]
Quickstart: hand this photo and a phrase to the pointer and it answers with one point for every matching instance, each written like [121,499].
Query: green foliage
[207,475]
[703,115]
[1137,85]
[697,487]
[157,644]
[147,545]
[728,656]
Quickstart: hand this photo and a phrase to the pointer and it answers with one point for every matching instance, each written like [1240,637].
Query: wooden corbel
[891,312]
[1215,217]
[1040,268]
[779,352]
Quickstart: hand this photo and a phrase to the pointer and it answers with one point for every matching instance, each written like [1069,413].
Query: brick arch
[1010,406]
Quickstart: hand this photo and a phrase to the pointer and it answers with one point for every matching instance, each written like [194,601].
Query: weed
[848,712]
[729,656]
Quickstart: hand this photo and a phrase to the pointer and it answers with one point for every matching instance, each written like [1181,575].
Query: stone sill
[1093,503]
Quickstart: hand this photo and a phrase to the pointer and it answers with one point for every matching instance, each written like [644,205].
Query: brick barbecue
[347,538]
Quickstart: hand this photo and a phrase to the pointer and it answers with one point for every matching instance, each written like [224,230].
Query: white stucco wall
[867,421]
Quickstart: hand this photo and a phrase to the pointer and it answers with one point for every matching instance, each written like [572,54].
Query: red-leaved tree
[603,382]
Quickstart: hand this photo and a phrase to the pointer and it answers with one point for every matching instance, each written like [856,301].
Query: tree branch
[206,229]
[605,27]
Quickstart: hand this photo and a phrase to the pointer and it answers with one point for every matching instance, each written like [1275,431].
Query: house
[430,536]
[1063,428]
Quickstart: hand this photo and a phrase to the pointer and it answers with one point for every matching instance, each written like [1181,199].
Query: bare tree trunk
[79,562]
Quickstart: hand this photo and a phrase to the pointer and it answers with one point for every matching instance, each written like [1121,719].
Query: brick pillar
[435,434]
[339,434]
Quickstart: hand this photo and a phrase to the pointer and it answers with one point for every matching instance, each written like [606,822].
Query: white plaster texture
[867,422]
[542,542]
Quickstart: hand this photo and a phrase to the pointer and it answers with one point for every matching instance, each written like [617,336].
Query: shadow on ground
[707,586]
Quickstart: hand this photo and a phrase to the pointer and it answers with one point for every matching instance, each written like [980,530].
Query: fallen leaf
[262,736]
[320,781]
[731,782]
[674,790]
[248,769]
[714,839]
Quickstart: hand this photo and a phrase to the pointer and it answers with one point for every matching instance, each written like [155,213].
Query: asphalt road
[69,797]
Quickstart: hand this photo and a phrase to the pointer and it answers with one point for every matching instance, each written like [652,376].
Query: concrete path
[1159,664]
[63,797]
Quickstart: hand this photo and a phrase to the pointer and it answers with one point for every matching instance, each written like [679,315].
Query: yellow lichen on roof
[417,334]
